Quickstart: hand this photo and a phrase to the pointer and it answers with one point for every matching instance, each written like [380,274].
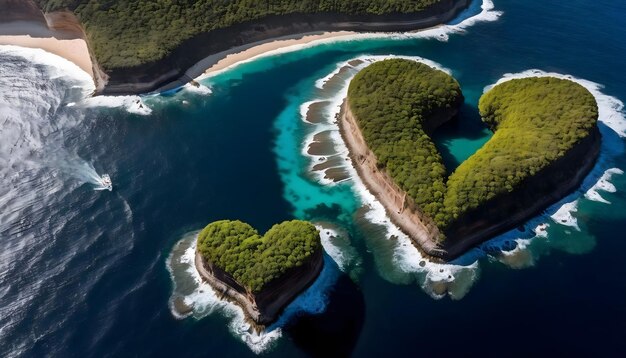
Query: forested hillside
[125,33]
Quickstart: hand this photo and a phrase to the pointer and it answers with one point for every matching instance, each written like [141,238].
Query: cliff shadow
[335,332]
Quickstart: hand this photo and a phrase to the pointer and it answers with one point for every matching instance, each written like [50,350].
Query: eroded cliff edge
[497,216]
[264,307]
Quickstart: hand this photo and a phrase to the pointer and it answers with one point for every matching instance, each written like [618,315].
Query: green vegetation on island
[392,101]
[254,260]
[535,122]
[127,33]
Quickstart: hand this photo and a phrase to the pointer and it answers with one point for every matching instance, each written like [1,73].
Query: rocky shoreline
[506,212]
[262,308]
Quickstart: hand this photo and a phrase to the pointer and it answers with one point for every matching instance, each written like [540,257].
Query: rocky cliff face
[499,215]
[400,208]
[536,193]
[262,308]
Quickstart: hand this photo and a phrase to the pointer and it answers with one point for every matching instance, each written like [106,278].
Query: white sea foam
[132,104]
[603,184]
[203,300]
[441,33]
[340,254]
[564,216]
[38,85]
[57,66]
[60,67]
[199,89]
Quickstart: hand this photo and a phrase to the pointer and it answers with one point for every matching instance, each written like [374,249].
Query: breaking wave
[40,208]
[192,297]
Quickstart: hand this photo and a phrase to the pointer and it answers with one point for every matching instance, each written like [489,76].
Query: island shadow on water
[335,332]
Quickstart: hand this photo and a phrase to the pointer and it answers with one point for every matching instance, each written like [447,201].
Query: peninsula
[143,45]
[262,274]
[545,141]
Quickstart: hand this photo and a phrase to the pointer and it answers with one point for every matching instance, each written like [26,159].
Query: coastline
[246,41]
[400,209]
[424,234]
[262,308]
[31,34]
[236,56]
[59,33]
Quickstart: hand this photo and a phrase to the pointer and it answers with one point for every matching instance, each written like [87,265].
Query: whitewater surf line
[192,297]
[456,278]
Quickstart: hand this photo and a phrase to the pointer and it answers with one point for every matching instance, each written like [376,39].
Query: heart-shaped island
[545,142]
[262,274]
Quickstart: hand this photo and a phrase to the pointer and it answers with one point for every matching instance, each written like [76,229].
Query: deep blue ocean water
[87,273]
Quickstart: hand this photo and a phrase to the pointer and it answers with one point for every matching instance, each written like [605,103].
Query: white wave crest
[132,104]
[57,67]
[603,184]
[564,216]
[443,32]
[198,89]
[199,300]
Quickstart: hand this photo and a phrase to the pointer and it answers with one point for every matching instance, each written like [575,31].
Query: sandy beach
[65,39]
[246,53]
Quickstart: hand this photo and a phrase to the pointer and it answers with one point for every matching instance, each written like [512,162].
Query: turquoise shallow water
[100,265]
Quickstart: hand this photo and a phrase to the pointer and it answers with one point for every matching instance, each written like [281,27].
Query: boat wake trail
[36,119]
[82,171]
[42,216]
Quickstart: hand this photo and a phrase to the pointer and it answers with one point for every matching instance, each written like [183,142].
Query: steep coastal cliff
[262,308]
[504,184]
[498,216]
[140,54]
[177,68]
[22,23]
[262,274]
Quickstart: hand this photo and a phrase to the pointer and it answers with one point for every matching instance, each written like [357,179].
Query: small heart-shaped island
[262,274]
[545,142]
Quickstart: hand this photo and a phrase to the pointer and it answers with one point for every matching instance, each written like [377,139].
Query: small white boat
[106,183]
